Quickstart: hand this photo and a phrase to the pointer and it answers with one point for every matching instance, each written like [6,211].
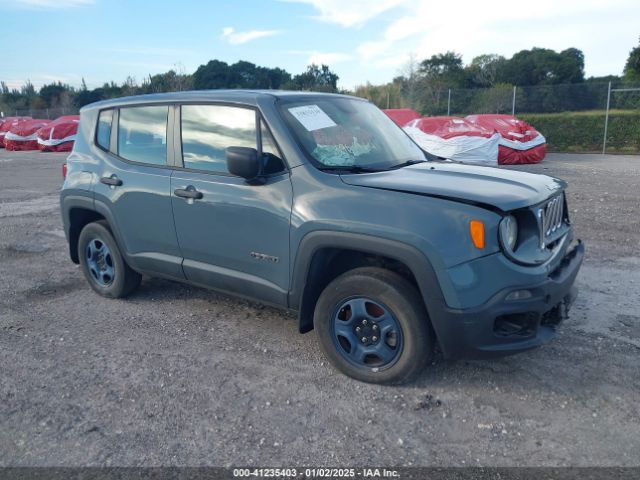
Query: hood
[502,189]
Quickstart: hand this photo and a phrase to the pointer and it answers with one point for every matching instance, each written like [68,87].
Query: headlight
[509,232]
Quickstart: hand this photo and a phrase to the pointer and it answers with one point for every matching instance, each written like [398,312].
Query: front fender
[432,286]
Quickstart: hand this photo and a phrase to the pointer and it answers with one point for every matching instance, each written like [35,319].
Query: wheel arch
[79,211]
[323,255]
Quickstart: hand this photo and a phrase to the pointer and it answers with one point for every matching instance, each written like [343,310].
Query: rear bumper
[502,326]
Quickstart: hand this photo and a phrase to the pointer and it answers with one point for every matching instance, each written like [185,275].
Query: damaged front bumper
[514,319]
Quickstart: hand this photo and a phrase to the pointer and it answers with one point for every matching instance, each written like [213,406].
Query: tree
[438,74]
[242,74]
[408,80]
[51,93]
[632,66]
[497,99]
[484,69]
[320,79]
[446,67]
[215,74]
[570,66]
[542,66]
[170,81]
[384,96]
[272,77]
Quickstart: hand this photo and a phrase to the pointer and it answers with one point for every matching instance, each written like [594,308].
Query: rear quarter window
[103,133]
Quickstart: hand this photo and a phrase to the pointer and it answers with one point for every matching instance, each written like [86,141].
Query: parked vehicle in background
[23,135]
[59,135]
[7,123]
[320,204]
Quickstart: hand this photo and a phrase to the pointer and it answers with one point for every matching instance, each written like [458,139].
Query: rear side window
[142,134]
[103,135]
[207,130]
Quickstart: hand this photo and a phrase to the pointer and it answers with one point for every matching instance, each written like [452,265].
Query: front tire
[102,263]
[373,326]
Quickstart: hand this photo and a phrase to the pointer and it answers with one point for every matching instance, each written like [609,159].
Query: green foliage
[497,99]
[319,79]
[51,94]
[217,74]
[385,96]
[436,75]
[541,66]
[170,81]
[483,70]
[632,66]
[485,85]
[584,131]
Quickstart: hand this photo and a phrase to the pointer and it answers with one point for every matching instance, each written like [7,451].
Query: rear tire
[102,263]
[373,326]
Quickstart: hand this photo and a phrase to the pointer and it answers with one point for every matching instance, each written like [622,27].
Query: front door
[233,236]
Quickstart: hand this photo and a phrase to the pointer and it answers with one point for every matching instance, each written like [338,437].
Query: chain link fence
[582,117]
[579,117]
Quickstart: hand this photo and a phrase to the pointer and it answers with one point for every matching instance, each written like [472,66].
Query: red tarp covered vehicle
[455,138]
[59,135]
[7,123]
[23,135]
[401,116]
[519,142]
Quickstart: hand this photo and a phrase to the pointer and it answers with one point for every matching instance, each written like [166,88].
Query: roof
[249,97]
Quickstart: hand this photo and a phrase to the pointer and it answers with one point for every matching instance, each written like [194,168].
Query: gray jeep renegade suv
[320,204]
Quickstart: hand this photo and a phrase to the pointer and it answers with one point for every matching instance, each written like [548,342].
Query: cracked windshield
[349,133]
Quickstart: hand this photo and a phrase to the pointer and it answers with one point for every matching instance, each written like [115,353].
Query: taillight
[64,170]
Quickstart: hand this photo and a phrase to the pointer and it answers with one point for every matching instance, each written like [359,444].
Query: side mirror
[243,162]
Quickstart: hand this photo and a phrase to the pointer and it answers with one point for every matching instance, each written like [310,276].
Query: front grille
[551,216]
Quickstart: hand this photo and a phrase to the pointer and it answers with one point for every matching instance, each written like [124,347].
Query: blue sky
[103,40]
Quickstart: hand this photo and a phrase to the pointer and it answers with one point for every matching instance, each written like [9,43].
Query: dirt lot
[183,376]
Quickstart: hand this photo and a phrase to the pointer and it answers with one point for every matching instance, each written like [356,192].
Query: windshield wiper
[351,169]
[406,164]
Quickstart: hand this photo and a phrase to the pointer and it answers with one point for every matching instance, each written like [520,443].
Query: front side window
[207,130]
[345,133]
[103,135]
[142,134]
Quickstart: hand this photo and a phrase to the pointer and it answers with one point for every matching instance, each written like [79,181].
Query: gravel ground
[177,375]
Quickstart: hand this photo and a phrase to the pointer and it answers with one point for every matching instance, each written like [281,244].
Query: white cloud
[349,13]
[47,3]
[426,28]
[238,38]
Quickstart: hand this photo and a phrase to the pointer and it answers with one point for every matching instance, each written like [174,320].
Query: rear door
[133,185]
[235,237]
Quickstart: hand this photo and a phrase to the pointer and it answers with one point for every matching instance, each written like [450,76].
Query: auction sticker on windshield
[312,117]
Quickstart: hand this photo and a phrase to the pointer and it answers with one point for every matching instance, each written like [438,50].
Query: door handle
[112,181]
[190,193]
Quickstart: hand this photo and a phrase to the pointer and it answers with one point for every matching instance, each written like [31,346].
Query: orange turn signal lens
[476,228]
